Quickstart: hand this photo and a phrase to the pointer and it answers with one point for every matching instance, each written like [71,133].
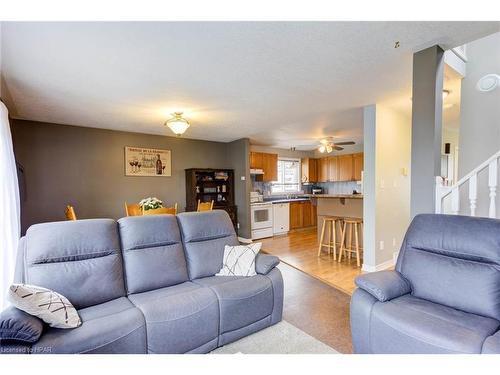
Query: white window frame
[275,183]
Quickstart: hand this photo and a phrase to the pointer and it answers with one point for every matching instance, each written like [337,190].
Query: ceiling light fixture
[488,83]
[328,145]
[178,124]
[322,149]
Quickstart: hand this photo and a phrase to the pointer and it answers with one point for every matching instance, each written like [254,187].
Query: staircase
[442,192]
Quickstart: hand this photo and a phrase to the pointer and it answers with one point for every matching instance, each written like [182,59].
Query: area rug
[282,338]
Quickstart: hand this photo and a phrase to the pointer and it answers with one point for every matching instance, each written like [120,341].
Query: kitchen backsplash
[328,187]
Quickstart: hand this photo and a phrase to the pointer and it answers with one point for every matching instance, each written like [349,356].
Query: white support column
[492,184]
[473,194]
[455,201]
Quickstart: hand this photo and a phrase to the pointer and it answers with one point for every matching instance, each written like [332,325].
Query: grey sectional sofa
[443,297]
[144,285]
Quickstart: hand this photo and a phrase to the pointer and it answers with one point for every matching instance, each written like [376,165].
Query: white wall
[479,116]
[386,187]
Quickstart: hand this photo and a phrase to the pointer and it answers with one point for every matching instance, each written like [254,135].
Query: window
[288,177]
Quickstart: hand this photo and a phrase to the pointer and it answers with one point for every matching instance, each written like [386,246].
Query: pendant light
[177,124]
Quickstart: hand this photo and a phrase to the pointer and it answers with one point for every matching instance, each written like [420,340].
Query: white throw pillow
[45,304]
[240,260]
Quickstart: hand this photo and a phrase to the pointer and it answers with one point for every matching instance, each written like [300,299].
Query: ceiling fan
[328,145]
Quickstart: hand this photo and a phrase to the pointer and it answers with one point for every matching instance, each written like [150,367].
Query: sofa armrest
[20,327]
[265,263]
[384,285]
[492,344]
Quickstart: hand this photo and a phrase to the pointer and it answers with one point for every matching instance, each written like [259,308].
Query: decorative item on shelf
[223,188]
[197,190]
[150,203]
[177,123]
[221,175]
[210,190]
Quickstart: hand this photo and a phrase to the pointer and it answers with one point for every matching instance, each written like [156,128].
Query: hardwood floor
[299,249]
[316,308]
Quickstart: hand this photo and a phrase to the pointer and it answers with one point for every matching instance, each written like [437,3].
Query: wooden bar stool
[331,223]
[351,224]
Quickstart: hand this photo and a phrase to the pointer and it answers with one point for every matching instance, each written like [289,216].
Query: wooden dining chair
[133,209]
[161,211]
[70,213]
[205,206]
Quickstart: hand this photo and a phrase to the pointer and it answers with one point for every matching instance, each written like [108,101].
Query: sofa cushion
[454,261]
[205,234]
[112,327]
[180,318]
[152,252]
[242,300]
[79,259]
[411,325]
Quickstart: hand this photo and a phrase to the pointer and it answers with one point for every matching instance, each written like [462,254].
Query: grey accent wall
[427,104]
[238,155]
[84,167]
[479,117]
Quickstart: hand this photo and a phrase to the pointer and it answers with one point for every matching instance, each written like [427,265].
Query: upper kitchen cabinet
[309,170]
[358,166]
[322,170]
[256,160]
[333,168]
[267,162]
[346,167]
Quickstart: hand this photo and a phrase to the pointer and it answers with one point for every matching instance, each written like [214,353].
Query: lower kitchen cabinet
[302,214]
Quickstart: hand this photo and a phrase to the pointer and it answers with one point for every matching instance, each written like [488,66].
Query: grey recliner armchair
[443,296]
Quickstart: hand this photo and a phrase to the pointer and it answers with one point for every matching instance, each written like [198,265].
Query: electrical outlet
[381,245]
[243,178]
[394,242]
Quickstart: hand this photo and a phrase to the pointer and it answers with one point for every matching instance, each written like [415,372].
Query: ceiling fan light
[178,124]
[329,148]
[322,149]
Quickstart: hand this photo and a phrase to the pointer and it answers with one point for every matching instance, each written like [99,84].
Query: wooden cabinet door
[322,170]
[306,214]
[309,170]
[270,167]
[314,214]
[313,170]
[256,160]
[358,161]
[333,168]
[345,167]
[296,217]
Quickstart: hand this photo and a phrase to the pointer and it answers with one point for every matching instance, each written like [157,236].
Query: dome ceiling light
[177,124]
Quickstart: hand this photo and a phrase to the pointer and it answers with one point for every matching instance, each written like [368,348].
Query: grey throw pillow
[18,326]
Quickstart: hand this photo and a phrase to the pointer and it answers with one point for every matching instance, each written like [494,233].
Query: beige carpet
[282,338]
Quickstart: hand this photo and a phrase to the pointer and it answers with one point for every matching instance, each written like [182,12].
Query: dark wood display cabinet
[211,184]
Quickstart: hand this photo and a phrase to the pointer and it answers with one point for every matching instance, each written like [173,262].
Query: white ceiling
[280,84]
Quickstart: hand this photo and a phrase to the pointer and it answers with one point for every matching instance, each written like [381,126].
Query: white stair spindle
[473,194]
[492,184]
[439,194]
[455,201]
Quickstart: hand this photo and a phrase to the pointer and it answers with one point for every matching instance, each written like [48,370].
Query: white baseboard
[379,267]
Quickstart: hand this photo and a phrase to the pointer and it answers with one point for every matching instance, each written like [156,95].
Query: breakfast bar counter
[337,205]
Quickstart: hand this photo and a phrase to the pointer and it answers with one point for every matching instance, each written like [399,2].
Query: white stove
[261,220]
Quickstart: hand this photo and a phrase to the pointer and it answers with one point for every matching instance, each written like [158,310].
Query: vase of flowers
[150,203]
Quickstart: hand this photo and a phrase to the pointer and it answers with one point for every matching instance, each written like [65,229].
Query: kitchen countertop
[306,197]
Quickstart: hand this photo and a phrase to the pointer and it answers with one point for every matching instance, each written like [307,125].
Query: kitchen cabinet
[267,162]
[322,170]
[309,170]
[345,167]
[358,160]
[333,168]
[302,214]
[256,160]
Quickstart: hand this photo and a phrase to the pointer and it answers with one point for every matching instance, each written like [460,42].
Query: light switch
[243,178]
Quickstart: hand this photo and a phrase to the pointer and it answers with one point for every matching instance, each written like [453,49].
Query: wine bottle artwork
[147,162]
